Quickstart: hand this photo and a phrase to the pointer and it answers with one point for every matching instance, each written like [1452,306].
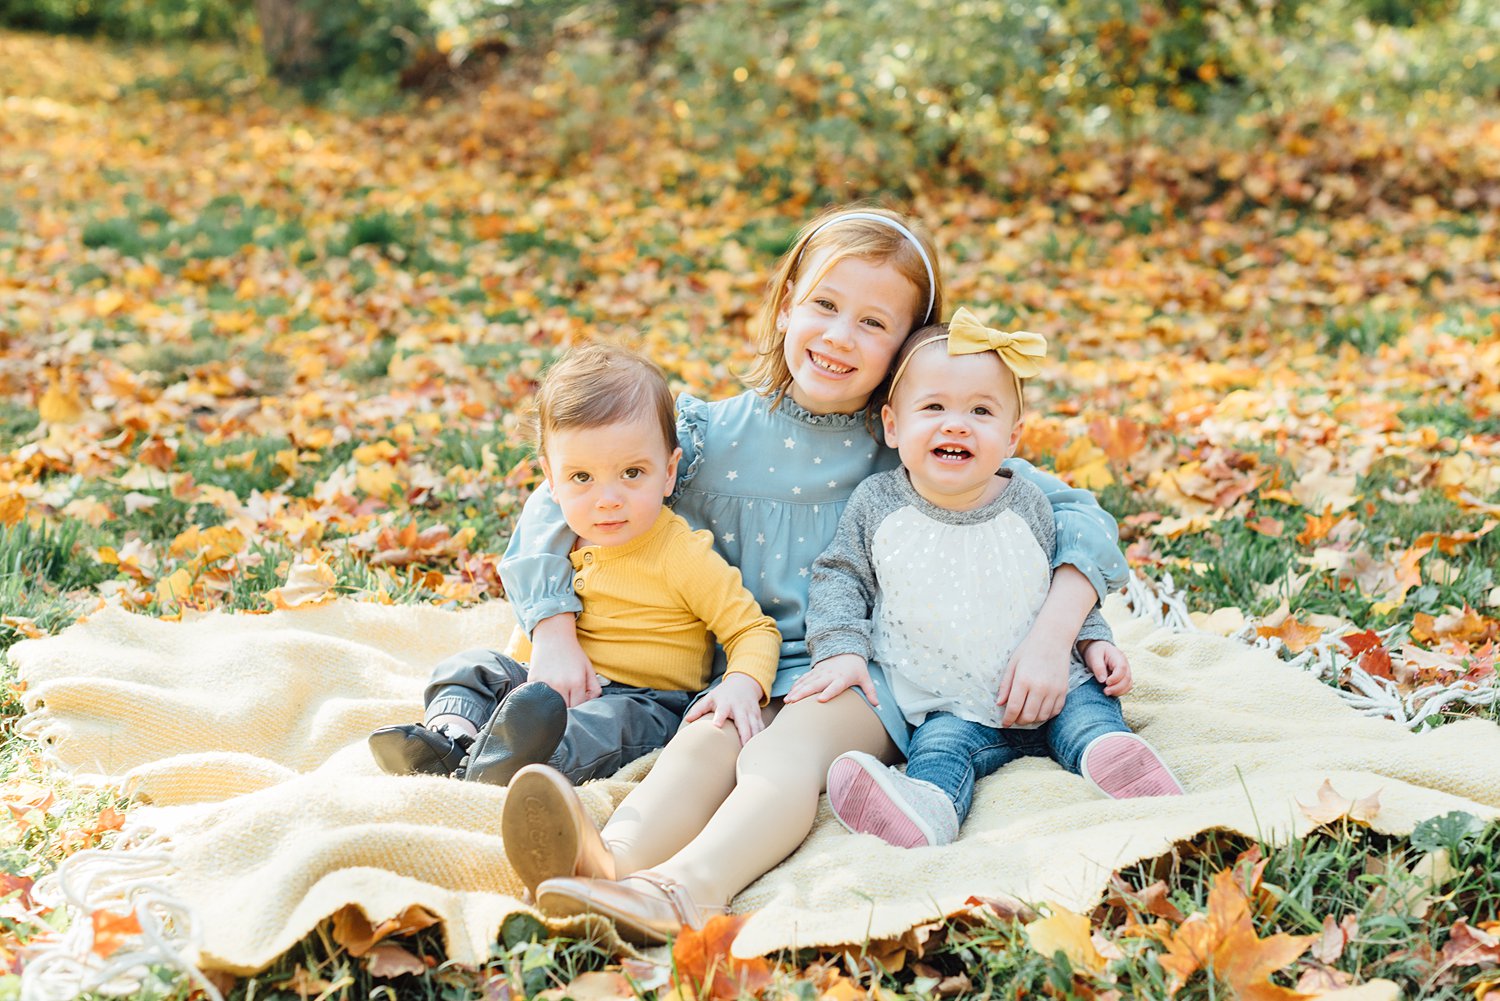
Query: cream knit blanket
[245,734]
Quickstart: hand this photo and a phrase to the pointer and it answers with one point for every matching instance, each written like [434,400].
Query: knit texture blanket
[245,736]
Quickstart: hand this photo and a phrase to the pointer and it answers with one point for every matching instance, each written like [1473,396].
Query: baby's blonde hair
[600,384]
[864,239]
[934,335]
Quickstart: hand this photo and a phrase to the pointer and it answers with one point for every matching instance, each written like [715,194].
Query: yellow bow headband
[1021,351]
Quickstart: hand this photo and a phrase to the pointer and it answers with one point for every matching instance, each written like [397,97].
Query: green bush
[127,19]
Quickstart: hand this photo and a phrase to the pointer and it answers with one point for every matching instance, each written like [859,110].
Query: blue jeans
[952,753]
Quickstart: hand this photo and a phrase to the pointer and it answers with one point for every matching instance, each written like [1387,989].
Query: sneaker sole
[538,829]
[1129,768]
[865,803]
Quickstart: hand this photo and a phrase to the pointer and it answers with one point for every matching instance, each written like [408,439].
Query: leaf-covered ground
[255,353]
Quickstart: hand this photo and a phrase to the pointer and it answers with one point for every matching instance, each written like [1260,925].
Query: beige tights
[717,824]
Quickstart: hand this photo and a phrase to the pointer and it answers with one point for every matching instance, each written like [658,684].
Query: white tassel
[122,880]
[1160,603]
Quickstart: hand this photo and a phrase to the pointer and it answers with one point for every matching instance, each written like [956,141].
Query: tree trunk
[289,35]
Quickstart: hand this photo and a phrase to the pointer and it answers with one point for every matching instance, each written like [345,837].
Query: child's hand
[558,662]
[832,677]
[1109,664]
[1036,681]
[735,698]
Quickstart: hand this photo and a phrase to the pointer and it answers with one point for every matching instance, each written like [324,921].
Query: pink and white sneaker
[871,798]
[1124,766]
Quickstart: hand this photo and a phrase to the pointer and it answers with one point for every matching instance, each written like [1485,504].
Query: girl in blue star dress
[768,473]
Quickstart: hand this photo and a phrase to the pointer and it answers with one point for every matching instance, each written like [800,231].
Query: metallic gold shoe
[646,907]
[547,832]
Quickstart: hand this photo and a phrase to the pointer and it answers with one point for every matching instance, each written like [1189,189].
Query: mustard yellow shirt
[653,607]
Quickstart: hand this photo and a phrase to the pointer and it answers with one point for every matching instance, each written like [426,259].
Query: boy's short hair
[600,384]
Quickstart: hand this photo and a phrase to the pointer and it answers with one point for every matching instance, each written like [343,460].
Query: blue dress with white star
[770,485]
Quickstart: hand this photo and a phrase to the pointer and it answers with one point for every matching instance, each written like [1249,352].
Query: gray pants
[603,734]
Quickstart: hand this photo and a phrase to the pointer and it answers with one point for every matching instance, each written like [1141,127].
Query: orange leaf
[1451,542]
[60,405]
[28,802]
[1295,635]
[1466,626]
[706,968]
[1119,437]
[111,931]
[12,509]
[1318,526]
[1225,938]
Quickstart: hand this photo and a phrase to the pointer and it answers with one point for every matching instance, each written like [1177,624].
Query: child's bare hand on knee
[1108,664]
[736,699]
[558,662]
[833,677]
[1036,682]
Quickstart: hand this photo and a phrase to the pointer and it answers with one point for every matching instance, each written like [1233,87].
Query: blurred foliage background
[883,89]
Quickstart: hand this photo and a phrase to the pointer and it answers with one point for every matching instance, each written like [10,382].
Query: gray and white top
[939,598]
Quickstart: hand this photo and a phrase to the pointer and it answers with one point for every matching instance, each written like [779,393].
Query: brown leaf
[1331,807]
[353,930]
[1320,979]
[1006,908]
[1267,526]
[388,960]
[1336,936]
[1470,946]
[705,966]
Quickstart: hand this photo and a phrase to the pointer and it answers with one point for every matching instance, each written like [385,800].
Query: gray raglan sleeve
[841,595]
[1038,514]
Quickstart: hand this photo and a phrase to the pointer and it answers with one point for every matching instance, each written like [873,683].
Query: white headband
[875,217]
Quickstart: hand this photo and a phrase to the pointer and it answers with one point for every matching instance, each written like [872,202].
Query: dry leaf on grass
[354,931]
[706,968]
[1069,933]
[307,584]
[1331,807]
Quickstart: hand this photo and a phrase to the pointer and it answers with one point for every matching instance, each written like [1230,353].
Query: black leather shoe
[525,730]
[413,749]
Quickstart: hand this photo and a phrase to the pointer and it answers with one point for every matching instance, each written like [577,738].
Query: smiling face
[610,480]
[954,419]
[843,329]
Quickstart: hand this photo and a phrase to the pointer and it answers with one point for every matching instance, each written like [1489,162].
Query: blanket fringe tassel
[120,882]
[1327,657]
[125,879]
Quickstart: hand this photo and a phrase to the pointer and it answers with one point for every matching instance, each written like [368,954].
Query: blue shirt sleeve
[536,571]
[1087,536]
